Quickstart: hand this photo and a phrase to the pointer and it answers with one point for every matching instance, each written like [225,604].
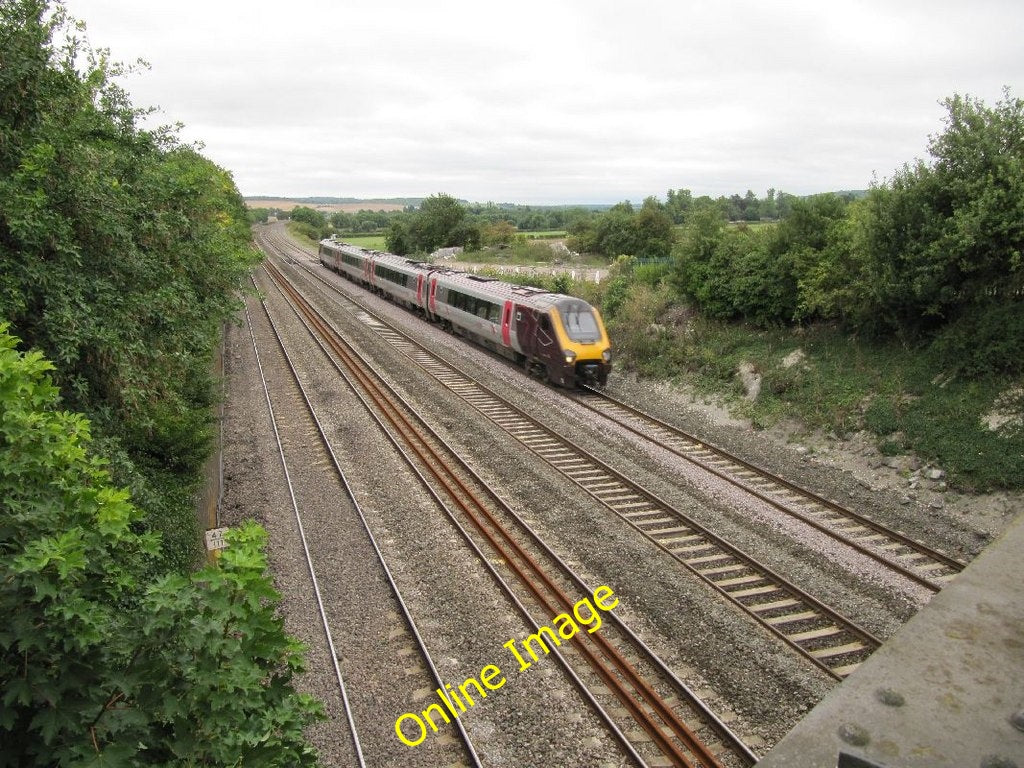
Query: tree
[943,241]
[398,239]
[499,232]
[121,254]
[341,221]
[654,235]
[678,204]
[623,230]
[439,223]
[582,234]
[692,258]
[979,165]
[769,209]
[100,662]
[309,216]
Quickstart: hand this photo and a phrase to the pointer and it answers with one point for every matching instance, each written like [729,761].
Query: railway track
[819,633]
[646,707]
[301,432]
[909,557]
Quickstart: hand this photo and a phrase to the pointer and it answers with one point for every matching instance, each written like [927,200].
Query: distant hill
[353,204]
[332,204]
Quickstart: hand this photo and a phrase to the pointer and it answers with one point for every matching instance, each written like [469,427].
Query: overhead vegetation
[440,222]
[907,301]
[121,254]
[933,253]
[101,661]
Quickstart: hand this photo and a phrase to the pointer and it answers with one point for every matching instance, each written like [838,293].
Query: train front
[586,351]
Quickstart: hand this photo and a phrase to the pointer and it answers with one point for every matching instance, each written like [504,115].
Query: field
[373,242]
[285,204]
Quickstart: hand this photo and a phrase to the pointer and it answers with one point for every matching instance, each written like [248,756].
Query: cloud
[554,102]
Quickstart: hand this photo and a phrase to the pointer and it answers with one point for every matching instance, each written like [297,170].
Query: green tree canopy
[440,222]
[100,662]
[935,253]
[121,253]
[623,230]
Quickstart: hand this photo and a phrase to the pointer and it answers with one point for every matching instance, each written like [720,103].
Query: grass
[904,395]
[372,242]
[530,253]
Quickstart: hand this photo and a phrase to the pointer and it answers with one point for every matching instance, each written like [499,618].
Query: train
[559,338]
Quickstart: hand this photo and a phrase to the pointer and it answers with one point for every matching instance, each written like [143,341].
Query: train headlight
[607,355]
[570,357]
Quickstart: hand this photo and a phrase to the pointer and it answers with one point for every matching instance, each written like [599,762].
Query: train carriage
[560,338]
[398,278]
[348,260]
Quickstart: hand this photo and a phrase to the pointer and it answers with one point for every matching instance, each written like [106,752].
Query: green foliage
[940,244]
[561,283]
[623,230]
[986,342]
[753,273]
[441,222]
[904,395]
[316,222]
[258,215]
[632,316]
[300,229]
[308,223]
[652,274]
[398,240]
[121,251]
[934,253]
[499,232]
[99,663]
[681,204]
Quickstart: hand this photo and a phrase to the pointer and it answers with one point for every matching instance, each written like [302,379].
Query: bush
[987,340]
[101,663]
[122,253]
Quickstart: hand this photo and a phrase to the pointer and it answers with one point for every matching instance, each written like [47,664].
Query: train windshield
[579,321]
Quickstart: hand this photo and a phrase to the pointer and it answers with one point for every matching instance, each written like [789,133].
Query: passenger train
[559,338]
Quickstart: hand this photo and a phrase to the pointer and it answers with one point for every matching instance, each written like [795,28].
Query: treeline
[935,251]
[606,230]
[679,206]
[122,252]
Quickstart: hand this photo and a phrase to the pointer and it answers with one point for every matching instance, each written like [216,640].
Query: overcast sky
[559,101]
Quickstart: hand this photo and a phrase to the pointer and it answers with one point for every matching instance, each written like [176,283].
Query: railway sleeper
[569,464]
[792,618]
[677,539]
[932,566]
[771,606]
[753,591]
[732,568]
[593,487]
[838,650]
[846,669]
[815,634]
[658,521]
[736,581]
[922,557]
[708,559]
[701,547]
[631,505]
